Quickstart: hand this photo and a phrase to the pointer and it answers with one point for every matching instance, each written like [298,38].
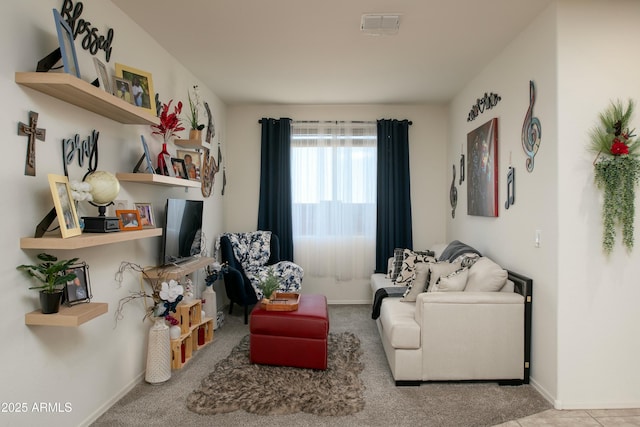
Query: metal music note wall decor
[531,130]
[511,188]
[453,194]
[487,102]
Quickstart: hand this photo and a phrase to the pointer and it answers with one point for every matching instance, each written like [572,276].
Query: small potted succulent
[53,275]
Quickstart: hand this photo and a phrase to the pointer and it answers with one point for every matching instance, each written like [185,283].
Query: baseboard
[349,302]
[544,392]
[108,404]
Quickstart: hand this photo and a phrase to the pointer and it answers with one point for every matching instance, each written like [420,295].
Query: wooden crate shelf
[197,332]
[68,316]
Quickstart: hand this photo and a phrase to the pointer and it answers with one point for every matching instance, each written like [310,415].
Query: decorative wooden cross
[32,132]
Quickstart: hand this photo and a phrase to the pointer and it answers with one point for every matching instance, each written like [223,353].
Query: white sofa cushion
[419,283]
[486,276]
[398,323]
[441,268]
[453,282]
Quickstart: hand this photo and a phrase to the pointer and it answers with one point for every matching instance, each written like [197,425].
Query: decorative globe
[104,187]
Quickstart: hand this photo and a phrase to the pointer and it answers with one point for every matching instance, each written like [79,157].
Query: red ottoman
[291,338]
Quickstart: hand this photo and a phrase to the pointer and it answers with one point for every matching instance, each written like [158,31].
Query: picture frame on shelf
[192,163]
[103,75]
[78,291]
[122,89]
[169,170]
[64,206]
[118,205]
[129,219]
[146,158]
[179,168]
[67,46]
[146,215]
[141,86]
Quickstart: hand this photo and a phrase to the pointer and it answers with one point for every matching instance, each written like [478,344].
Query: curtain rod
[337,121]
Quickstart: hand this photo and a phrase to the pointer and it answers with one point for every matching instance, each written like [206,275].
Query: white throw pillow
[441,268]
[454,282]
[486,276]
[419,283]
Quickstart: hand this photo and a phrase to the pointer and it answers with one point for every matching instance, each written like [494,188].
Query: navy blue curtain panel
[393,228]
[274,210]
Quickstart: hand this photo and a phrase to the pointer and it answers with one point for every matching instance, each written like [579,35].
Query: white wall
[599,320]
[509,238]
[585,320]
[92,365]
[427,140]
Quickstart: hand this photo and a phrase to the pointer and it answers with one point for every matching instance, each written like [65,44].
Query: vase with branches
[193,115]
[617,171]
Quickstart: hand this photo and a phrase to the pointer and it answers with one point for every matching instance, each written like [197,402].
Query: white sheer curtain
[333,167]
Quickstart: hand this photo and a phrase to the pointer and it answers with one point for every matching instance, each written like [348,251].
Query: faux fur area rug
[236,384]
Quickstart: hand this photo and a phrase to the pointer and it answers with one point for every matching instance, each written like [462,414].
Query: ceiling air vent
[380,24]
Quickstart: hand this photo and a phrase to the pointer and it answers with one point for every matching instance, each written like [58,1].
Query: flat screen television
[182,231]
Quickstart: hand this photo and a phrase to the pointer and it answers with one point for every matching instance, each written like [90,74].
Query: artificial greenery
[269,285]
[617,171]
[194,109]
[51,272]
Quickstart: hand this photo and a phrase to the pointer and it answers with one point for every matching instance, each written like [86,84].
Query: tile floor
[586,417]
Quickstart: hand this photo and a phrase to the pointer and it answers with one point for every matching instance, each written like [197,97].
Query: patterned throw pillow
[441,268]
[398,256]
[408,271]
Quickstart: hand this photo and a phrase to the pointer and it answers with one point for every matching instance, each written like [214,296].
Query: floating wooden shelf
[179,270]
[87,240]
[194,144]
[80,93]
[67,316]
[155,179]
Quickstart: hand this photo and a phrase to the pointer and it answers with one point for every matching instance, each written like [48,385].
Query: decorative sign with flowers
[617,171]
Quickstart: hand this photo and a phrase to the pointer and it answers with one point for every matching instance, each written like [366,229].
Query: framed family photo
[78,291]
[192,163]
[64,205]
[179,168]
[67,48]
[129,219]
[146,215]
[141,86]
[122,89]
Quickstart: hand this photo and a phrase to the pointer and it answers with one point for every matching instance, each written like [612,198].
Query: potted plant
[195,132]
[269,285]
[54,275]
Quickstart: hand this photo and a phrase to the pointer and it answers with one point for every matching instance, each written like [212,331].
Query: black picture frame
[179,167]
[78,291]
[67,46]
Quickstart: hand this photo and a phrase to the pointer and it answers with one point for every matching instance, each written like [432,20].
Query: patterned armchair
[249,256]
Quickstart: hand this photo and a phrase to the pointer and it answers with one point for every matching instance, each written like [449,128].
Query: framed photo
[103,75]
[179,168]
[146,215]
[482,170]
[118,205]
[78,291]
[141,86]
[65,206]
[129,219]
[67,48]
[146,158]
[192,163]
[169,171]
[122,89]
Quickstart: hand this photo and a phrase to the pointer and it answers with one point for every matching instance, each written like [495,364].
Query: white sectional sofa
[474,324]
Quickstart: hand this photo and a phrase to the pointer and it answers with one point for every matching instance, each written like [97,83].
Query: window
[333,168]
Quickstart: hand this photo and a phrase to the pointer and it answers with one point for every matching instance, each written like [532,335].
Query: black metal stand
[42,227]
[47,63]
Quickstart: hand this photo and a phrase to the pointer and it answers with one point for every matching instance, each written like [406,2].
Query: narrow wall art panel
[482,170]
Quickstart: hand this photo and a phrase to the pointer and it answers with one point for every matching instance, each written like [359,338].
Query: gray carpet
[437,404]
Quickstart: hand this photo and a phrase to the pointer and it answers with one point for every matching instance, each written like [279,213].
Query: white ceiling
[313,52]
